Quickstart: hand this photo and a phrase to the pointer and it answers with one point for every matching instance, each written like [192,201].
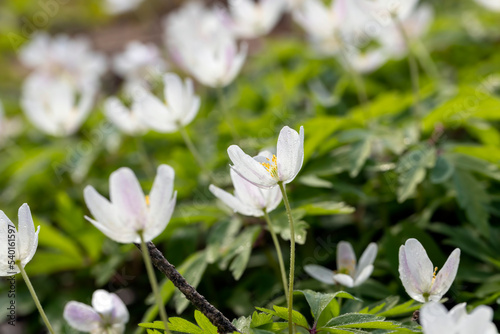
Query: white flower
[121,6]
[419,275]
[24,241]
[71,58]
[54,105]
[180,107]
[266,172]
[436,319]
[254,19]
[108,314]
[127,120]
[493,5]
[385,10]
[248,199]
[369,61]
[348,273]
[218,64]
[130,213]
[139,60]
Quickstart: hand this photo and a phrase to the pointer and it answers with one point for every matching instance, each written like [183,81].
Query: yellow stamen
[434,274]
[272,166]
[147,200]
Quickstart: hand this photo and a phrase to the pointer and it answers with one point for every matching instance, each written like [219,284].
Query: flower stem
[35,298]
[413,66]
[154,284]
[292,257]
[194,152]
[278,252]
[225,113]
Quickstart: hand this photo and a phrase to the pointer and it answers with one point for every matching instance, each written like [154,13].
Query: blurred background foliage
[372,172]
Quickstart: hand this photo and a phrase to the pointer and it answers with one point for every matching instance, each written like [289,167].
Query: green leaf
[402,309]
[359,153]
[204,323]
[297,317]
[318,302]
[282,226]
[259,319]
[473,198]
[180,325]
[327,208]
[322,127]
[357,320]
[239,251]
[442,171]
[412,169]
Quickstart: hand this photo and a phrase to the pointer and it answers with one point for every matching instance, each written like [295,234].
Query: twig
[214,315]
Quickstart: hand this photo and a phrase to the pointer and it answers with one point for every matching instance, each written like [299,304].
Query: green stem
[194,152]
[35,298]
[413,66]
[292,257]
[278,252]
[225,113]
[143,155]
[154,284]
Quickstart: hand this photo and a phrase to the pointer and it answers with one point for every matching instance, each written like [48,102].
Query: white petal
[4,234]
[128,198]
[367,258]
[250,169]
[120,313]
[26,232]
[102,302]
[81,317]
[419,264]
[458,311]
[435,319]
[409,282]
[290,153]
[344,280]
[320,273]
[32,249]
[346,259]
[234,203]
[153,112]
[122,235]
[479,321]
[247,192]
[161,195]
[158,226]
[174,95]
[363,275]
[273,198]
[446,276]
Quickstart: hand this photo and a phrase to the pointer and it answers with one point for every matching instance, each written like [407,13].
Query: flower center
[434,275]
[147,201]
[272,166]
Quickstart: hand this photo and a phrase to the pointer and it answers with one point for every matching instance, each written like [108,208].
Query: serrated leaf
[180,325]
[359,153]
[405,308]
[239,251]
[412,169]
[319,301]
[442,171]
[282,226]
[204,323]
[297,317]
[357,320]
[259,319]
[220,238]
[473,198]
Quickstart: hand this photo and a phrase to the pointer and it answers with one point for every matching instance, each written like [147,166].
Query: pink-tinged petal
[445,276]
[344,280]
[81,317]
[102,302]
[26,232]
[409,282]
[250,169]
[320,273]
[362,276]
[153,112]
[367,259]
[247,192]
[419,264]
[435,319]
[290,153]
[158,225]
[161,195]
[234,203]
[346,259]
[120,313]
[128,198]
[479,321]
